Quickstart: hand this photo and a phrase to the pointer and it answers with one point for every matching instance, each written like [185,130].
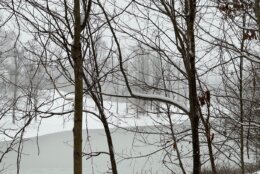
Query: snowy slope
[55,137]
[55,154]
[55,141]
[118,114]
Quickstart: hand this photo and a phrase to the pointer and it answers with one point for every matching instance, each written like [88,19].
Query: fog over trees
[145,86]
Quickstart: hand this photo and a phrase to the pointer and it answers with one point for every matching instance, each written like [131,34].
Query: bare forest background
[190,68]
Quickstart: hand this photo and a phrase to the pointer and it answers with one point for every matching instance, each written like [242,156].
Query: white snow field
[51,152]
[118,115]
[54,154]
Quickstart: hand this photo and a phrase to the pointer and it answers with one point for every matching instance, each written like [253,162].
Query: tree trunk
[209,136]
[241,102]
[78,103]
[190,8]
[241,117]
[241,113]
[194,110]
[194,118]
[15,83]
[257,14]
[99,104]
[110,144]
[209,143]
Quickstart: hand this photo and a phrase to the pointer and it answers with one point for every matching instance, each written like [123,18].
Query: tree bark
[241,117]
[15,85]
[209,143]
[241,102]
[257,14]
[78,103]
[110,144]
[190,9]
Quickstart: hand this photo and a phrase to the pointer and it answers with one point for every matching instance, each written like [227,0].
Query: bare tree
[184,42]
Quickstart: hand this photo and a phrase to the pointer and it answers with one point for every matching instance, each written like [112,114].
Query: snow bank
[54,103]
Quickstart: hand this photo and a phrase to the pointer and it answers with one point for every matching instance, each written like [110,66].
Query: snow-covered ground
[55,154]
[258,172]
[118,114]
[55,137]
[52,151]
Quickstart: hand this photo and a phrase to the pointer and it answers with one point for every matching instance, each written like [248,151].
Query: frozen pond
[55,154]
